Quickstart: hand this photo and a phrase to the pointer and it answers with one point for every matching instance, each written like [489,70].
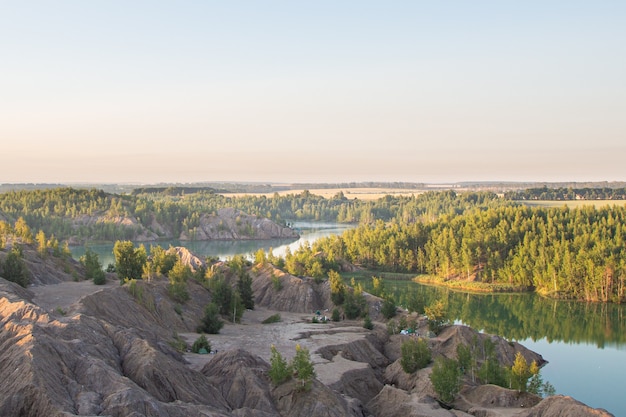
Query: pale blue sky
[320,91]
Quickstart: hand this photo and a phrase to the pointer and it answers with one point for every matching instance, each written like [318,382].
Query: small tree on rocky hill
[211,322]
[244,286]
[415,355]
[446,379]
[519,373]
[389,308]
[129,261]
[303,367]
[437,316]
[337,288]
[14,267]
[93,267]
[279,371]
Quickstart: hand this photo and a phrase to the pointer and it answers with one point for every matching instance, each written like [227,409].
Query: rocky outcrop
[242,380]
[447,341]
[486,397]
[46,270]
[225,224]
[320,400]
[561,405]
[280,291]
[392,402]
[187,258]
[233,224]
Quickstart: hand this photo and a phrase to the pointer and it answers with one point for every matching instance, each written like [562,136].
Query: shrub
[178,291]
[367,323]
[354,305]
[415,355]
[436,314]
[389,308]
[200,343]
[14,268]
[446,379]
[274,318]
[93,267]
[336,316]
[178,343]
[211,322]
[276,282]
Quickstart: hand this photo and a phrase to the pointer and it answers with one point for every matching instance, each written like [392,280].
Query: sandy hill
[74,349]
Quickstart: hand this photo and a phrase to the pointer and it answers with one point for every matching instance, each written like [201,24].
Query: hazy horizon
[435,92]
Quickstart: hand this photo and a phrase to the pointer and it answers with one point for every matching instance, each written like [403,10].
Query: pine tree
[211,322]
[446,379]
[279,371]
[520,372]
[303,367]
[244,286]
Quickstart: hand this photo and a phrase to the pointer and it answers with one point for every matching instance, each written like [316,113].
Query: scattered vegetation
[300,367]
[274,318]
[178,343]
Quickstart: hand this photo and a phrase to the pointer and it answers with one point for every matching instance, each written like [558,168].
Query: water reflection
[224,249]
[522,316]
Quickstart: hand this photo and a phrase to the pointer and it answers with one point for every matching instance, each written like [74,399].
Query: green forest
[558,252]
[94,215]
[471,240]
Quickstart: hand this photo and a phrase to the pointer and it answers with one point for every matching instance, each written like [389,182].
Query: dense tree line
[473,237]
[563,194]
[568,253]
[95,215]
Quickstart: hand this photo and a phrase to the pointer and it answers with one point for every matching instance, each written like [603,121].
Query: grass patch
[178,343]
[274,318]
[367,274]
[471,286]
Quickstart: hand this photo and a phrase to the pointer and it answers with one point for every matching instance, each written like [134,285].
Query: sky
[312,91]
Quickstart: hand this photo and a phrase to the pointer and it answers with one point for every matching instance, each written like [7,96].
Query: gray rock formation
[233,224]
[112,352]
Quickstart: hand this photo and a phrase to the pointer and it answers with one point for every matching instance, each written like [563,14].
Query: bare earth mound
[74,348]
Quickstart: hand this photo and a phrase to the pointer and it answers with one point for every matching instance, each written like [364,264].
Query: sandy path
[62,296]
[295,328]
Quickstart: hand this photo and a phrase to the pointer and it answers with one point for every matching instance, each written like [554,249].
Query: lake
[223,249]
[584,343]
